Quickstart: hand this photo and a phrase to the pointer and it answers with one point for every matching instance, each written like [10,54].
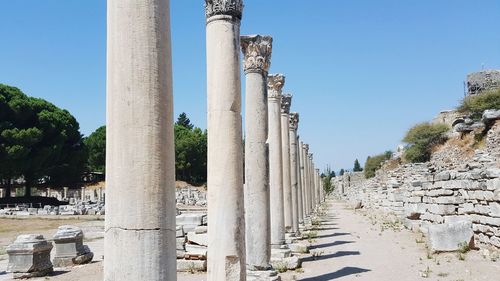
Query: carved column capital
[275,83]
[257,51]
[231,8]
[286,102]
[294,121]
[310,156]
[306,147]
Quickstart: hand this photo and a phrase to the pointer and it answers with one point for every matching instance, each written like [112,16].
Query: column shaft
[300,202]
[140,178]
[293,172]
[226,235]
[275,83]
[287,188]
[257,213]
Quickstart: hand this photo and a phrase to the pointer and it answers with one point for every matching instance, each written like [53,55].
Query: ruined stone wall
[450,187]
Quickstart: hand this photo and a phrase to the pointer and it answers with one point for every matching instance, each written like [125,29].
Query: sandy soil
[349,245]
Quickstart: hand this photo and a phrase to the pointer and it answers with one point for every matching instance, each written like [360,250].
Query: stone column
[257,55]
[298,149]
[303,180]
[286,101]
[307,179]
[140,179]
[226,229]
[318,196]
[294,120]
[274,85]
[312,190]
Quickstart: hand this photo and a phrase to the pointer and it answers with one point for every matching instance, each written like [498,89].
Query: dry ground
[349,245]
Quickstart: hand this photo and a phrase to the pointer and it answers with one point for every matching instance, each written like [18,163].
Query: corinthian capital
[294,121]
[257,53]
[232,8]
[306,147]
[311,156]
[286,102]
[275,83]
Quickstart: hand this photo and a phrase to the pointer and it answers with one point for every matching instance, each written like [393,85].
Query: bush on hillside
[477,104]
[421,138]
[373,163]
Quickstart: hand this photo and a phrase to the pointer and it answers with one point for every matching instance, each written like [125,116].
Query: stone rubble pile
[191,196]
[459,198]
[192,242]
[80,208]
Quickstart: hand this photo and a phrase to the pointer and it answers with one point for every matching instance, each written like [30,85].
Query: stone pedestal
[140,171]
[226,230]
[69,247]
[275,83]
[257,55]
[29,256]
[286,101]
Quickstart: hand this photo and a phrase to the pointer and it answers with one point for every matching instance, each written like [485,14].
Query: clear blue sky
[361,71]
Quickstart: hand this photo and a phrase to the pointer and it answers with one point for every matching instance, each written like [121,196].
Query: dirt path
[354,246]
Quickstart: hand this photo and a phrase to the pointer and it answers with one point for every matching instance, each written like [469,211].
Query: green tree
[327,176]
[37,140]
[421,138]
[475,105]
[373,163]
[190,151]
[184,121]
[96,147]
[342,172]
[357,166]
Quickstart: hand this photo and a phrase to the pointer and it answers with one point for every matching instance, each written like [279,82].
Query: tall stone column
[274,85]
[316,178]
[311,182]
[294,121]
[303,179]
[226,235]
[298,149]
[257,55]
[307,181]
[140,178]
[286,102]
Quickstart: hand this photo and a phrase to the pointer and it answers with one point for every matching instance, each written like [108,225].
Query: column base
[287,263]
[277,254]
[299,248]
[262,275]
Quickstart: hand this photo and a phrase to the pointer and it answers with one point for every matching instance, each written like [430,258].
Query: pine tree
[357,166]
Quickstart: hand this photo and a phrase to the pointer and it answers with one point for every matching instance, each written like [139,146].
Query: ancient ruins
[265,198]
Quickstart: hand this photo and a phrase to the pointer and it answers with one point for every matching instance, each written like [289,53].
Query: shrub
[373,163]
[477,104]
[421,139]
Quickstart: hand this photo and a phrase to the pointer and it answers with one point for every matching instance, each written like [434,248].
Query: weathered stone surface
[199,239]
[268,275]
[443,176]
[298,248]
[69,247]
[191,265]
[493,173]
[494,209]
[448,237]
[29,256]
[442,209]
[491,115]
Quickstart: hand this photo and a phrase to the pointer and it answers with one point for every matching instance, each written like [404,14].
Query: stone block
[448,200]
[201,229]
[493,173]
[481,209]
[432,218]
[415,199]
[442,209]
[180,241]
[69,247]
[449,236]
[439,192]
[198,239]
[179,231]
[485,220]
[278,254]
[29,256]
[191,265]
[494,209]
[196,250]
[493,184]
[442,176]
[192,219]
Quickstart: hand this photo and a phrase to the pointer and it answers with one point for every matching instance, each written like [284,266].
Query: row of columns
[247,216]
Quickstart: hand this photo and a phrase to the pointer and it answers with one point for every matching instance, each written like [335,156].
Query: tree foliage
[341,172]
[38,140]
[327,176]
[96,147]
[357,166]
[421,138]
[475,105]
[190,151]
[373,163]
